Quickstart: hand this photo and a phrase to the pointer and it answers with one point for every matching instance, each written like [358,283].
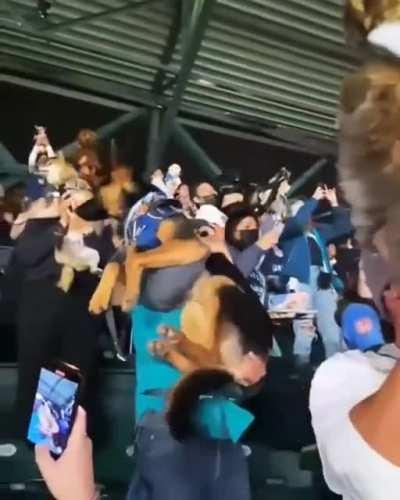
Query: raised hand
[320,193]
[331,196]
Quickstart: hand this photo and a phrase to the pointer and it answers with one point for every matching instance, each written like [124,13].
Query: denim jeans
[197,469]
[325,303]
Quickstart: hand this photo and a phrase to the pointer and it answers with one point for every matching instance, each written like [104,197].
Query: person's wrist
[264,245]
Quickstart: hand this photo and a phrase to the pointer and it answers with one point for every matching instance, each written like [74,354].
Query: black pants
[52,326]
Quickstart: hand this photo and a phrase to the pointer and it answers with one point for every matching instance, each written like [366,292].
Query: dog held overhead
[224,334]
[170,240]
[225,339]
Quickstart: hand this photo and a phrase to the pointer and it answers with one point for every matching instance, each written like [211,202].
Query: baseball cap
[361,327]
[212,215]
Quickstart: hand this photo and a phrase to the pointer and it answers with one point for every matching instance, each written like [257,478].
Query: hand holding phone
[54,407]
[70,477]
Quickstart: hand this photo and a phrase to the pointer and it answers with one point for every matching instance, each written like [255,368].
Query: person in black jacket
[52,324]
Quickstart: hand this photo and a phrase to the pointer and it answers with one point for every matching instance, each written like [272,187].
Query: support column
[198,155]
[201,13]
[153,147]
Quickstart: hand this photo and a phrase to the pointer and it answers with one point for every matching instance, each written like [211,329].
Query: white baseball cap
[212,215]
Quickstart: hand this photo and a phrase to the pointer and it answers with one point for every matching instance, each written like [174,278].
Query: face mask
[247,238]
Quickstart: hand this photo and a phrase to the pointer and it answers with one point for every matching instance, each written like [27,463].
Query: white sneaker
[7,450]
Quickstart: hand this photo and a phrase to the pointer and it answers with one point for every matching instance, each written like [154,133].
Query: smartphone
[54,407]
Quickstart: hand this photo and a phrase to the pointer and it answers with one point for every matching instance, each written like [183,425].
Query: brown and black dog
[225,339]
[179,247]
[225,334]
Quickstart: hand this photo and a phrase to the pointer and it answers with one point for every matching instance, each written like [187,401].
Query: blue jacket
[294,242]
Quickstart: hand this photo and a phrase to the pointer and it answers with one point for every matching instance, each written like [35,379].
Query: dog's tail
[185,398]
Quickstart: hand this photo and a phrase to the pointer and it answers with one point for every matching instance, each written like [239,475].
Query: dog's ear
[166,230]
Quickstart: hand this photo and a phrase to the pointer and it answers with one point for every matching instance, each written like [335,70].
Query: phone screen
[54,409]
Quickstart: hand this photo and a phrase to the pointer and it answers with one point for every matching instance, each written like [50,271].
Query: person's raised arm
[247,260]
[295,226]
[340,225]
[33,155]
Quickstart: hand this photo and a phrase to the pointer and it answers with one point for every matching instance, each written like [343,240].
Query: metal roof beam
[202,11]
[185,28]
[62,91]
[152,146]
[9,165]
[169,49]
[198,155]
[258,128]
[265,24]
[123,97]
[253,114]
[46,73]
[99,15]
[13,13]
[80,45]
[262,139]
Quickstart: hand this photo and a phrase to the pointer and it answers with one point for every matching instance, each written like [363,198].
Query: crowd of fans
[297,255]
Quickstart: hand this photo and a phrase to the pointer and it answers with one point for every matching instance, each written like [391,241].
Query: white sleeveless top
[351,467]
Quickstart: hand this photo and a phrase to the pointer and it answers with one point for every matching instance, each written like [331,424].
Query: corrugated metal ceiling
[267,63]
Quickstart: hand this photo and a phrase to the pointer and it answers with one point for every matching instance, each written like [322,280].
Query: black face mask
[247,238]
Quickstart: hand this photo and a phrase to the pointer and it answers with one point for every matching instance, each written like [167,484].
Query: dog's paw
[159,348]
[100,301]
[169,334]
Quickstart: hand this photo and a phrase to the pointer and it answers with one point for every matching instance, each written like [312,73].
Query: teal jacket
[216,418]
